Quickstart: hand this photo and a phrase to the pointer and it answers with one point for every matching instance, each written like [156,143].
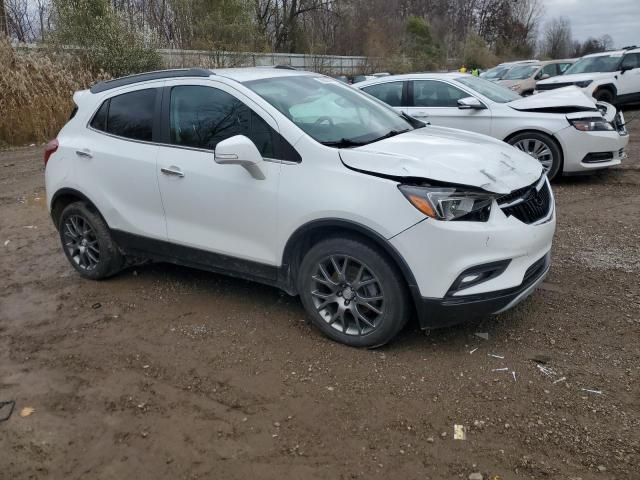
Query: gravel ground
[166,372]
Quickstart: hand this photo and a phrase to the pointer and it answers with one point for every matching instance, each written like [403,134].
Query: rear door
[116,161]
[212,207]
[629,81]
[436,101]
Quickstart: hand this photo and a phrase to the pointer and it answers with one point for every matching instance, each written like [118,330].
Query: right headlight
[583,84]
[448,203]
[591,124]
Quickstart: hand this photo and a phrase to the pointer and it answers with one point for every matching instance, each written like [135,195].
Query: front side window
[329,111]
[201,117]
[432,93]
[129,115]
[550,70]
[390,92]
[493,91]
[631,61]
[600,63]
[562,67]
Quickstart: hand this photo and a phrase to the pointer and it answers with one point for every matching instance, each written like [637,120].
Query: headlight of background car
[442,203]
[591,124]
[515,87]
[583,84]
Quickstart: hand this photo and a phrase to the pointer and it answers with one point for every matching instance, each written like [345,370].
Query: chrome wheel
[347,295]
[538,150]
[81,242]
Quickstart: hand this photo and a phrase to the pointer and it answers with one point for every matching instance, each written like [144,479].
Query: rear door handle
[172,170]
[84,153]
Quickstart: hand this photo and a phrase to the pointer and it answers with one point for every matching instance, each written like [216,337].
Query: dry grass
[36,94]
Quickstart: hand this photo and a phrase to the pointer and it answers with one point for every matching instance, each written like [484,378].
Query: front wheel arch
[540,132]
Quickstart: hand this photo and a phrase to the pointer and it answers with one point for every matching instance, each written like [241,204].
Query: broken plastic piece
[459,432]
[5,403]
[26,411]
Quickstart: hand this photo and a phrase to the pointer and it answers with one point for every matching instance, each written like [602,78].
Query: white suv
[612,77]
[296,180]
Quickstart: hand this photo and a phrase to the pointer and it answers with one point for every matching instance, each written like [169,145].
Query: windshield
[520,73]
[496,73]
[492,91]
[602,63]
[331,112]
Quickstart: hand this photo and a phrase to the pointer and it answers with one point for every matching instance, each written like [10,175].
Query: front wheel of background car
[353,293]
[87,242]
[541,147]
[604,95]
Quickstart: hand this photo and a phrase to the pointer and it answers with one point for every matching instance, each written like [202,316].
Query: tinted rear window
[129,115]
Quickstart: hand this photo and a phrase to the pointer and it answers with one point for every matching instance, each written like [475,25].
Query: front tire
[604,95]
[87,242]
[353,293]
[541,147]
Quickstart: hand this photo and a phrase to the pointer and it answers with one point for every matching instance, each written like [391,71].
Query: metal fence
[333,64]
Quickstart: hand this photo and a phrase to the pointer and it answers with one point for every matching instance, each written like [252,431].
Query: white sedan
[564,129]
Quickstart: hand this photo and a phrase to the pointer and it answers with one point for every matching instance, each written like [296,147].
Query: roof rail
[629,47]
[143,77]
[285,67]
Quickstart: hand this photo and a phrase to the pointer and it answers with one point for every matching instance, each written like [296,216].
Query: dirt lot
[166,372]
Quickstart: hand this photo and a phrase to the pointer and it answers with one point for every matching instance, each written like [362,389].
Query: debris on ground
[483,335]
[541,358]
[26,411]
[7,403]
[501,357]
[588,390]
[459,432]
[475,476]
[514,375]
[96,305]
[473,350]
[6,242]
[500,369]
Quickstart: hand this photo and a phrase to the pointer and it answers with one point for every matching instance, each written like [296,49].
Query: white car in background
[565,130]
[612,77]
[499,71]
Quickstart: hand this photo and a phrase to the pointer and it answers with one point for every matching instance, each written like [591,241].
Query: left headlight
[444,203]
[515,87]
[591,124]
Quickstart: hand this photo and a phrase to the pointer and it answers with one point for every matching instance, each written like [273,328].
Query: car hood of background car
[576,77]
[447,155]
[562,100]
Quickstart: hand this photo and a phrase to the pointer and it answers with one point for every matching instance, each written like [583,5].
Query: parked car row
[351,200]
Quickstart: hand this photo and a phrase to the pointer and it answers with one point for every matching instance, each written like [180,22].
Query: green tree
[423,51]
[104,40]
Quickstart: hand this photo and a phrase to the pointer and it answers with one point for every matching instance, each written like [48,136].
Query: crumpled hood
[561,97]
[577,77]
[447,155]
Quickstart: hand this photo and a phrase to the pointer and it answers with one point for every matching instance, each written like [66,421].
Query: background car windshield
[495,73]
[329,111]
[520,73]
[602,63]
[492,91]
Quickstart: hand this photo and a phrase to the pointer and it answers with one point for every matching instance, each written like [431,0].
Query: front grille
[528,204]
[552,86]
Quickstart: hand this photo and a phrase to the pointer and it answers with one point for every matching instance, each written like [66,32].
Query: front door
[629,81]
[436,101]
[215,208]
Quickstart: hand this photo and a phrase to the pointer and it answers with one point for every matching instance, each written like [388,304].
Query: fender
[69,192]
[291,252]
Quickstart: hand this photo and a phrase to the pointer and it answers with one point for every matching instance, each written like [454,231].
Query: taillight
[51,147]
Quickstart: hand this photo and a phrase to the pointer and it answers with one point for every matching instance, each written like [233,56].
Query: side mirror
[624,68]
[240,150]
[470,103]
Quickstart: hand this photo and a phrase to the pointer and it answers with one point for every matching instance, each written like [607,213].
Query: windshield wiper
[344,143]
[392,133]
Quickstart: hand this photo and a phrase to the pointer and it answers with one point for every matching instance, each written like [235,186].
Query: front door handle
[172,170]
[84,153]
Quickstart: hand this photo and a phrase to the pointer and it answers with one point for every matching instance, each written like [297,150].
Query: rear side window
[390,93]
[432,93]
[202,117]
[129,115]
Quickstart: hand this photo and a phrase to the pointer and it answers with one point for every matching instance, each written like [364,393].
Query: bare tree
[557,41]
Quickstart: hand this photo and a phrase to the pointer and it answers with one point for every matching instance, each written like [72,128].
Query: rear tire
[541,147]
[353,293]
[604,95]
[87,242]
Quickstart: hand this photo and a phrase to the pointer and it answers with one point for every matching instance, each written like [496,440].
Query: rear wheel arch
[306,236]
[66,196]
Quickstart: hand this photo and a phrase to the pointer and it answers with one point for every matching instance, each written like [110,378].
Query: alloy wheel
[81,242]
[538,150]
[347,295]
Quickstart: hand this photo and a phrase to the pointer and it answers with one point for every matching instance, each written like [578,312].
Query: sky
[594,18]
